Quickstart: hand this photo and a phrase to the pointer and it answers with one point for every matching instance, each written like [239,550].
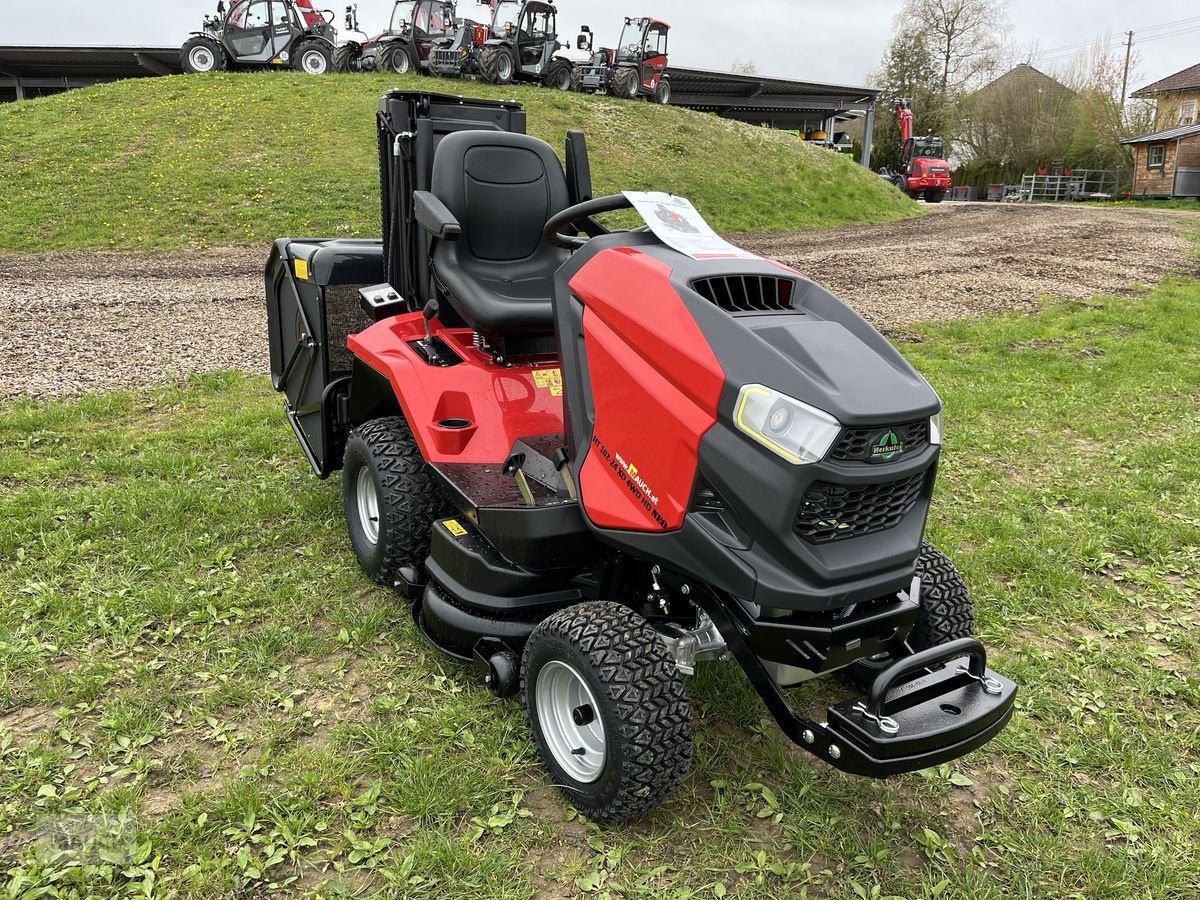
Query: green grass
[196,161]
[200,694]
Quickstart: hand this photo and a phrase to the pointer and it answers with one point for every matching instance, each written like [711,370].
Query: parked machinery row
[514,41]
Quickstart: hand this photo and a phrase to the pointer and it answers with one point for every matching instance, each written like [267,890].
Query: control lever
[431,311]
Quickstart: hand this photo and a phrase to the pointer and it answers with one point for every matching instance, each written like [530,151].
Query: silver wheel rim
[563,699]
[314,62]
[504,67]
[400,62]
[201,59]
[666,96]
[368,504]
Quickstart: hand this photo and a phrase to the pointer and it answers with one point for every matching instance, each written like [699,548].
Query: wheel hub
[367,496]
[566,710]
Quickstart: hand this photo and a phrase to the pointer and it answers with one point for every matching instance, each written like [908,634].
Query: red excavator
[263,33]
[924,172]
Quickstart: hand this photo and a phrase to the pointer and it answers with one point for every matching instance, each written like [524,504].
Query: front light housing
[800,433]
[935,428]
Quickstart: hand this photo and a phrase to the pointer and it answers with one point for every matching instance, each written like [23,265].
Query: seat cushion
[502,188]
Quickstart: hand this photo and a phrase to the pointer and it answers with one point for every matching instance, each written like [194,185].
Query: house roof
[1170,134]
[1187,80]
[1025,75]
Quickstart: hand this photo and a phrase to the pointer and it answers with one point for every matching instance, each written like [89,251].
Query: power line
[1056,51]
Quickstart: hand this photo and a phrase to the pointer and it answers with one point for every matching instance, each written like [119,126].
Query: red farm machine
[637,67]
[263,34]
[404,47]
[923,171]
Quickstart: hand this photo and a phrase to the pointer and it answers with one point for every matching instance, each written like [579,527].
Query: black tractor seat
[496,268]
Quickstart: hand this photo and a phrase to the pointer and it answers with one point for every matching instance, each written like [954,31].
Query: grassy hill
[216,160]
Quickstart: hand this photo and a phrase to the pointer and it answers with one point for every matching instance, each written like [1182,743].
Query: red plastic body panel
[501,404]
[920,182]
[655,383]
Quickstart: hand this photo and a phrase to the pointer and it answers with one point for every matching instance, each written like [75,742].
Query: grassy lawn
[196,161]
[201,696]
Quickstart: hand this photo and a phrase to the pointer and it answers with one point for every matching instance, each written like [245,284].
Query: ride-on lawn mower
[405,46]
[636,68]
[263,33]
[594,461]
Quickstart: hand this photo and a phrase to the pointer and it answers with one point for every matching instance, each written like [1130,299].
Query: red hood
[930,161]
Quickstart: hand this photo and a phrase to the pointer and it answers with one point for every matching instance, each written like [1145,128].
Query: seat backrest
[502,188]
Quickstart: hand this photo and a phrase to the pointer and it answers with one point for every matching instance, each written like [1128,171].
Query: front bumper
[925,709]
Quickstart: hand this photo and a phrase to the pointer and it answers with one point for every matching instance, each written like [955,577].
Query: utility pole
[1125,77]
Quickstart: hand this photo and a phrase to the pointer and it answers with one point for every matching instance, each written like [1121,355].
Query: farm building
[1166,162]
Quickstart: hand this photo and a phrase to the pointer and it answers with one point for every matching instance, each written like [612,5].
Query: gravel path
[81,322]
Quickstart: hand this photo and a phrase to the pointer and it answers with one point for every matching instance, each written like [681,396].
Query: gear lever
[431,311]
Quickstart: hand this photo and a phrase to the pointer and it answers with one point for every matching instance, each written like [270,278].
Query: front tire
[312,59]
[607,709]
[346,58]
[398,59]
[497,66]
[625,82]
[946,614]
[390,497]
[935,195]
[559,76]
[201,55]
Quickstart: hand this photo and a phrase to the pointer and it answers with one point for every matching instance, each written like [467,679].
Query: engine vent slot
[833,512]
[747,293]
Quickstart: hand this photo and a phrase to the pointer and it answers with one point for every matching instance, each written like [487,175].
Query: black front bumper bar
[914,716]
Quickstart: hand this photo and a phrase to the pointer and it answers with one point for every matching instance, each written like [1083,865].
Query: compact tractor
[263,34]
[405,46]
[594,463]
[924,172]
[636,68]
[520,45]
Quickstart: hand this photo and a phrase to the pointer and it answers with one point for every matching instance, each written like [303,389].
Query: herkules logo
[886,447]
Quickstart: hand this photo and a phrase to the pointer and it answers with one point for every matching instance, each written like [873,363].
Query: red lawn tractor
[636,68]
[263,34]
[405,46]
[593,462]
[924,171]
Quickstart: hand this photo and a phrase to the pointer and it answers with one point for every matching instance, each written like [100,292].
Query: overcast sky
[828,41]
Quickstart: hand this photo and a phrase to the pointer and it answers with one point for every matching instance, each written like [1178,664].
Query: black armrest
[433,216]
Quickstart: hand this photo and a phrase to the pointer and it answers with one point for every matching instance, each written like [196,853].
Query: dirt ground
[82,322]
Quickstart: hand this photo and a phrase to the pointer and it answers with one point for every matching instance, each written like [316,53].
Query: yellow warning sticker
[454,527]
[549,378]
[302,269]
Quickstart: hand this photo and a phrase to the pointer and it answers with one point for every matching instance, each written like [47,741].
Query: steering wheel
[579,217]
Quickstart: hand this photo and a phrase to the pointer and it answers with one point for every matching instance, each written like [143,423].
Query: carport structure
[776,102]
[36,71]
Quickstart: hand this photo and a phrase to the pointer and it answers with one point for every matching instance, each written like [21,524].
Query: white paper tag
[679,225]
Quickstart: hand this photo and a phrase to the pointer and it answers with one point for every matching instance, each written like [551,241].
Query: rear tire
[625,83]
[497,66]
[662,93]
[398,59]
[560,75]
[935,196]
[607,709]
[312,59]
[390,497]
[201,55]
[946,614]
[346,58]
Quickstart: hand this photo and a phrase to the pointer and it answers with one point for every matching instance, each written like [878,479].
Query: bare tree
[964,36]
[744,68]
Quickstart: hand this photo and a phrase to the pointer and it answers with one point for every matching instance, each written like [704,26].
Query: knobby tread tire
[410,497]
[551,78]
[387,59]
[645,708]
[625,82]
[344,56]
[220,63]
[946,613]
[489,64]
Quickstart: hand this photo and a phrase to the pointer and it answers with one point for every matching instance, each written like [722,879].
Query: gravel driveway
[80,322]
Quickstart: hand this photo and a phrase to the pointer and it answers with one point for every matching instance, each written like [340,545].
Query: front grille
[855,443]
[445,58]
[747,293]
[833,512]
